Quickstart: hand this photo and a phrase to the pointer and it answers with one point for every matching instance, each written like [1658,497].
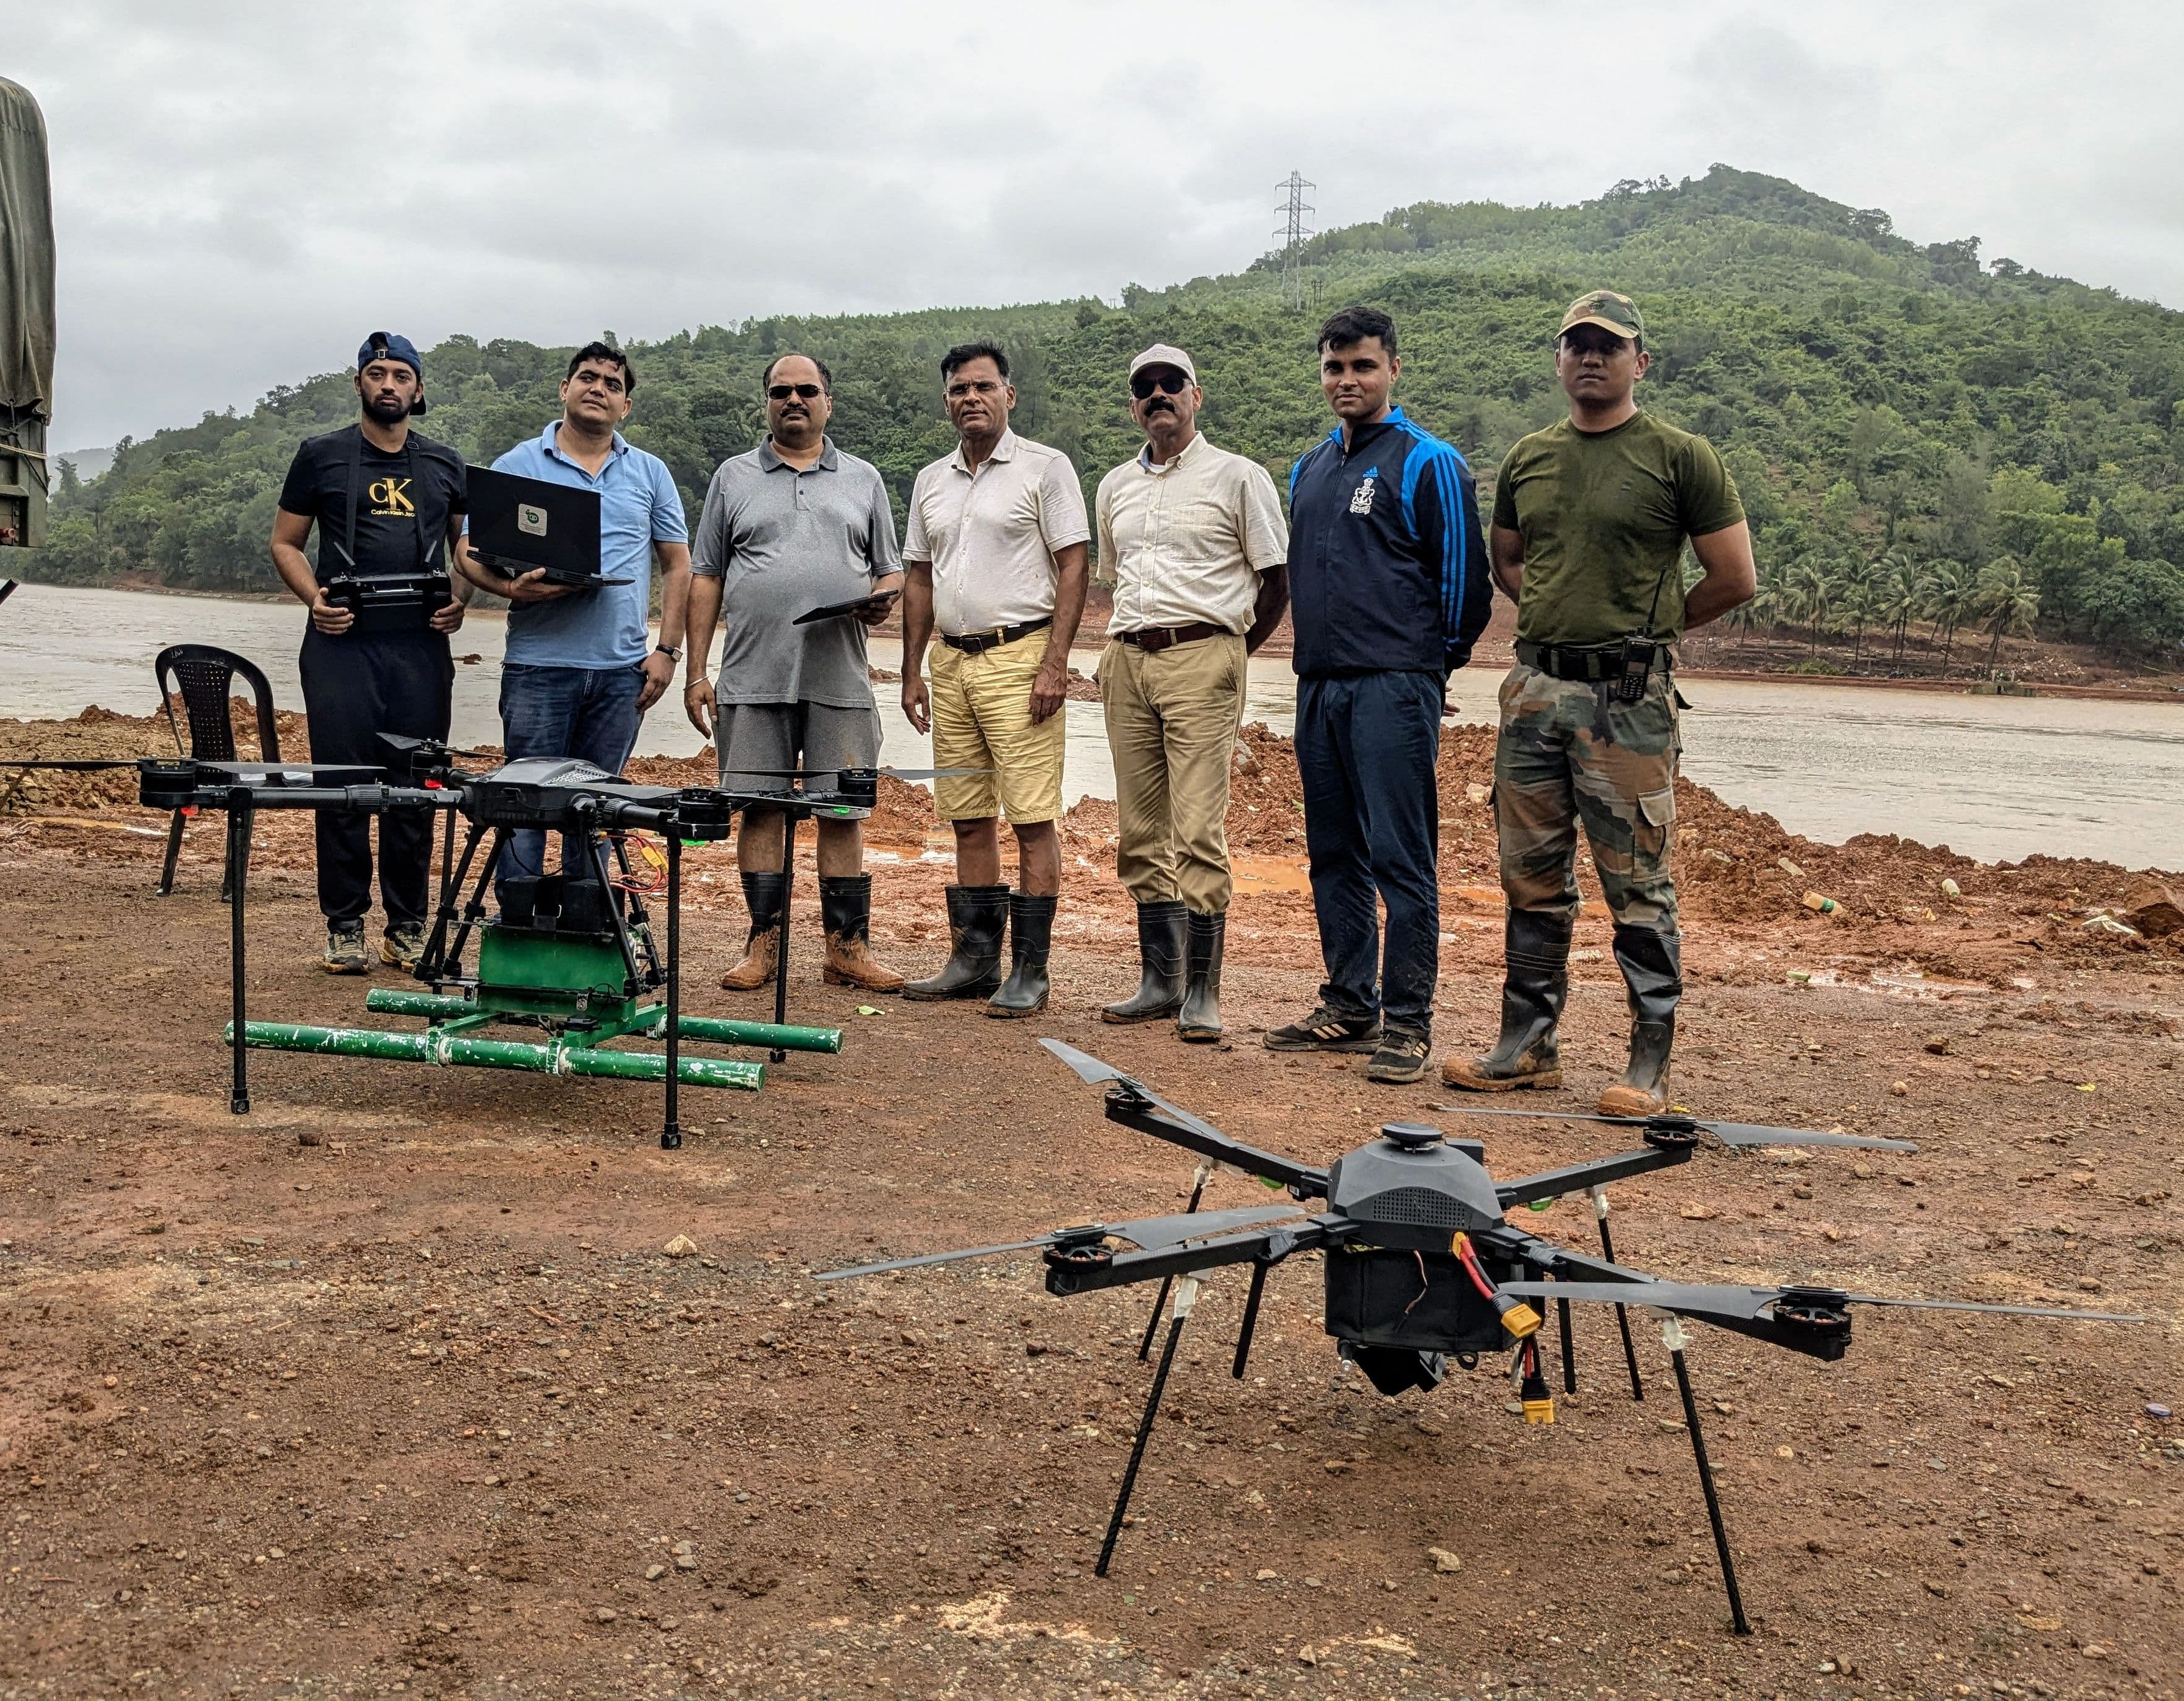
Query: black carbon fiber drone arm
[1080,1266]
[1135,1105]
[1594,1172]
[1131,1105]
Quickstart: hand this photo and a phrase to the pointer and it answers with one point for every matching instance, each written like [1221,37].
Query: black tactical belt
[976,643]
[1591,663]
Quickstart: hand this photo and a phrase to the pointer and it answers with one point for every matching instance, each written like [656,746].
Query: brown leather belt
[1151,639]
[977,644]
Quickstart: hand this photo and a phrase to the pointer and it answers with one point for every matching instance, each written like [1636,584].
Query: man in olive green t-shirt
[1590,518]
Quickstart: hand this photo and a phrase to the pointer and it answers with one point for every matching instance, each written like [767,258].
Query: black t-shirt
[403,501]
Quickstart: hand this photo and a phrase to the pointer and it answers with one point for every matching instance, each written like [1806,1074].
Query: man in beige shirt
[994,555]
[1194,539]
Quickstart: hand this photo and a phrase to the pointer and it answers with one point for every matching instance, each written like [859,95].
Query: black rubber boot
[977,917]
[1200,1022]
[1535,982]
[764,895]
[1653,975]
[845,910]
[1160,950]
[1031,938]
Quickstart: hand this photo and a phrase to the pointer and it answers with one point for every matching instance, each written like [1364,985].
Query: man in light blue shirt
[581,667]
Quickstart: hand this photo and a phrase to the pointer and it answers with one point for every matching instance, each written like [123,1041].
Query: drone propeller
[1746,1304]
[1093,1073]
[1152,1234]
[80,767]
[1729,1133]
[892,773]
[1179,1127]
[407,746]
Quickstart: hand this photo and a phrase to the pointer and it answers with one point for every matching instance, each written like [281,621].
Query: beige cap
[1165,355]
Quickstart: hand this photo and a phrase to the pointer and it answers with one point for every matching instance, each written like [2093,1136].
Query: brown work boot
[845,910]
[764,894]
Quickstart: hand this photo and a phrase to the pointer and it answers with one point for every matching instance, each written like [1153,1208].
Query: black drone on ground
[1423,1265]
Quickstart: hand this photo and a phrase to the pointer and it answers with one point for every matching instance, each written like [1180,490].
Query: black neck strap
[425,551]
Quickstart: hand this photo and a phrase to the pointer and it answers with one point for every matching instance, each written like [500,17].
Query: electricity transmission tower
[1296,228]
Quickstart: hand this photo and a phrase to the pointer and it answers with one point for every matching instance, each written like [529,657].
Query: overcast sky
[243,189]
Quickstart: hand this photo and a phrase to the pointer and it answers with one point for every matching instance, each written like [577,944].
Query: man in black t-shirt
[388,502]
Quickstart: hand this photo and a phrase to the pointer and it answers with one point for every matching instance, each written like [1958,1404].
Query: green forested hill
[1918,436]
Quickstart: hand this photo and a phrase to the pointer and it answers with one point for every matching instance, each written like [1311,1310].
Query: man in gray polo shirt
[793,525]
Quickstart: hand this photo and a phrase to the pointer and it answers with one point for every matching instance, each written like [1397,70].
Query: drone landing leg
[640,919]
[671,1135]
[1673,1337]
[596,844]
[1186,1296]
[1152,1323]
[238,851]
[1569,1361]
[1622,1315]
[434,957]
[1259,1268]
[781,939]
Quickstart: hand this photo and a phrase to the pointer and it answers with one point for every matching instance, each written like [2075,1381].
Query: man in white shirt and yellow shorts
[995,560]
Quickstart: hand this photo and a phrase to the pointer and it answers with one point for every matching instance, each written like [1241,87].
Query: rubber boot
[1652,975]
[1535,981]
[845,910]
[1031,937]
[1161,935]
[1200,1023]
[977,916]
[764,894]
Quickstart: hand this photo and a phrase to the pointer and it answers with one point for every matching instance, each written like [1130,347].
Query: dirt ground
[388,1387]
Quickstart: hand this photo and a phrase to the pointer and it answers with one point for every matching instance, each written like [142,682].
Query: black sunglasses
[781,392]
[1169,381]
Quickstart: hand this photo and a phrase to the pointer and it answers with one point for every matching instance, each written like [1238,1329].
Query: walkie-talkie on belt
[1638,653]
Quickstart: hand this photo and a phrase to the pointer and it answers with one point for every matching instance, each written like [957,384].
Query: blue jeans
[590,714]
[1366,748]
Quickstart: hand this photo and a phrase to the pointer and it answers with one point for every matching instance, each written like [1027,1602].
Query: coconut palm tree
[1861,604]
[1898,591]
[1951,594]
[1809,590]
[2009,601]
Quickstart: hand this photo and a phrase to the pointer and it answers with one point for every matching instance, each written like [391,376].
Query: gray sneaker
[403,946]
[345,949]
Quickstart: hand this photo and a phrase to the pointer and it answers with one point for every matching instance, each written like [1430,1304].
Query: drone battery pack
[1375,1298]
[556,903]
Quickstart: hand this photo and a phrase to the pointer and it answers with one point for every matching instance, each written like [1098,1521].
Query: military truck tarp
[26,316]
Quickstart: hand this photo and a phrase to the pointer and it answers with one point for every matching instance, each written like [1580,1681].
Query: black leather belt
[1151,639]
[977,644]
[1591,663]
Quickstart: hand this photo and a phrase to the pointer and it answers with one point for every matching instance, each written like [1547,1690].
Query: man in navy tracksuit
[1389,589]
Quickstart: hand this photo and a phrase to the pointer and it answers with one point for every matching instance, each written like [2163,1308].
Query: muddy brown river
[1997,778]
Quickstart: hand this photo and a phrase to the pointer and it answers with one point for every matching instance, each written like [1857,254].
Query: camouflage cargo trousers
[1570,752]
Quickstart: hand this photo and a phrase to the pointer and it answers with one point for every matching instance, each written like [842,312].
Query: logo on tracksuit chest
[1361,499]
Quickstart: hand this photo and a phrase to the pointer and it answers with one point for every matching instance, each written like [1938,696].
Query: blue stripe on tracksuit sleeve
[1440,527]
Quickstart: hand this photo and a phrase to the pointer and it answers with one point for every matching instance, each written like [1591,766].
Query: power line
[1294,231]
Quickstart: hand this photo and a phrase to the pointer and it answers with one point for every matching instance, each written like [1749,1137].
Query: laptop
[519,524]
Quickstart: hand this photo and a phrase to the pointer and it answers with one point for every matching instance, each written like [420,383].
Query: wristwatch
[668,651]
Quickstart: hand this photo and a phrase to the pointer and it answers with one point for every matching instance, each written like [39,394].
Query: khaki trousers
[1173,717]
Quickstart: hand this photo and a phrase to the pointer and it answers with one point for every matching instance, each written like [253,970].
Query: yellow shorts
[981,719]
